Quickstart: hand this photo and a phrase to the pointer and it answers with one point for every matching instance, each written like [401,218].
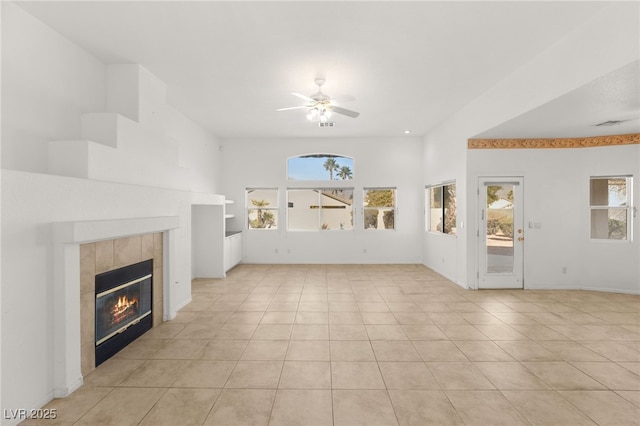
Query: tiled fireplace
[98,258]
[85,249]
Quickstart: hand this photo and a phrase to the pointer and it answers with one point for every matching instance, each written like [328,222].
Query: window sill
[609,241]
[442,234]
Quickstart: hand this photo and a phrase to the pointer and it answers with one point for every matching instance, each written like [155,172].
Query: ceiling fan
[320,106]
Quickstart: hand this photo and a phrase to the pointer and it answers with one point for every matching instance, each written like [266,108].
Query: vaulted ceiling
[409,65]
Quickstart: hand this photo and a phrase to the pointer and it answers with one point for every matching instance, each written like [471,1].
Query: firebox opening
[123,307]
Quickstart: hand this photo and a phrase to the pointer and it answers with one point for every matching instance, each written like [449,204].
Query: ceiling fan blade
[296,107]
[345,111]
[343,98]
[301,96]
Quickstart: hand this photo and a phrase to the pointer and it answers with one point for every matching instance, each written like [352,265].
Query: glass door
[501,233]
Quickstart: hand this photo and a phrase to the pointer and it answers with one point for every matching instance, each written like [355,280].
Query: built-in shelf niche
[228,215]
[214,249]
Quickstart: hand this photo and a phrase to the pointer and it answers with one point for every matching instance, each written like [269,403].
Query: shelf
[229,215]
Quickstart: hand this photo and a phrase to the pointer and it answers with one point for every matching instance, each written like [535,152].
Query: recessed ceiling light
[406,132]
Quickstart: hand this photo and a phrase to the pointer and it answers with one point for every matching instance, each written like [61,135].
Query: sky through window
[320,167]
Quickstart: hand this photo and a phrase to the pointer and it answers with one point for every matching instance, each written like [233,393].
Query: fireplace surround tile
[127,251]
[87,333]
[157,292]
[87,268]
[157,250]
[146,246]
[104,256]
[87,328]
[88,359]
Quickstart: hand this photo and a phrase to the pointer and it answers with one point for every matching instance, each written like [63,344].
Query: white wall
[446,161]
[608,266]
[556,196]
[377,163]
[565,66]
[47,84]
[207,241]
[199,153]
[52,82]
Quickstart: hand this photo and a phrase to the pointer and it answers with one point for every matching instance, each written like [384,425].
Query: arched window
[320,167]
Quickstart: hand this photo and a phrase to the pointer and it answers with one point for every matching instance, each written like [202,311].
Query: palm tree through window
[320,167]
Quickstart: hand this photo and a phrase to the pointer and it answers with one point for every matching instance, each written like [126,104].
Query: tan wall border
[631,139]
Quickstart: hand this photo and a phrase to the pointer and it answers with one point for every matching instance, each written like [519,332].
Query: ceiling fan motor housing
[320,97]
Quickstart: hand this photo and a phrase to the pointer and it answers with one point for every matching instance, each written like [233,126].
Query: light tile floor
[368,345]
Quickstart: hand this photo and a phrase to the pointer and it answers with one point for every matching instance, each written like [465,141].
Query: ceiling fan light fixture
[320,107]
[319,114]
[313,114]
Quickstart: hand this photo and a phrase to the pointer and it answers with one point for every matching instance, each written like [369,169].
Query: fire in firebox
[124,308]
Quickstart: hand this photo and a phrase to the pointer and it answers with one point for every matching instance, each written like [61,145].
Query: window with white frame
[441,208]
[379,206]
[262,208]
[317,209]
[610,207]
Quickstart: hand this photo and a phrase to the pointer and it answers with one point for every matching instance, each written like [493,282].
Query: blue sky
[312,168]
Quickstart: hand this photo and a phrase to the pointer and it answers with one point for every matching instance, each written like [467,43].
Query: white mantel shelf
[96,230]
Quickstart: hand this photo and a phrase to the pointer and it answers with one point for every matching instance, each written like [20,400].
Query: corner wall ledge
[205,199]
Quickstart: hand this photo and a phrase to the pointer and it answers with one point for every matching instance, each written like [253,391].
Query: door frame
[500,280]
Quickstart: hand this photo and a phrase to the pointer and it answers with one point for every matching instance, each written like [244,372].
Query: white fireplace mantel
[96,230]
[67,237]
